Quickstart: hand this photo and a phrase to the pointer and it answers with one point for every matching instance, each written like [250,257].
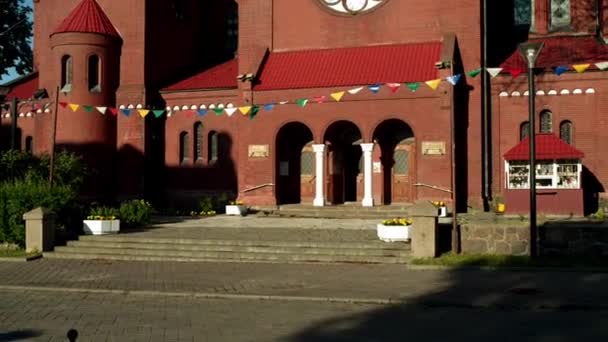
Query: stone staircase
[250,239]
[349,210]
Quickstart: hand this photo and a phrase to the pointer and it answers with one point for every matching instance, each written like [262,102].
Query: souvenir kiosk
[558,177]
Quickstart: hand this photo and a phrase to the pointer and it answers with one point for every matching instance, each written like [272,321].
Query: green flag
[302,102]
[254,112]
[474,73]
[413,86]
[218,111]
[88,109]
[158,113]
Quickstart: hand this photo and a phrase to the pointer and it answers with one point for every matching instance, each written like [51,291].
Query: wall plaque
[377,167]
[433,148]
[258,151]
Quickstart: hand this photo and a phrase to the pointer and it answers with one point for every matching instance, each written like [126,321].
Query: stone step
[125,254]
[379,215]
[242,246]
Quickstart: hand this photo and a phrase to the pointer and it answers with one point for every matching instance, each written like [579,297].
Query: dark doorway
[343,162]
[294,163]
[397,146]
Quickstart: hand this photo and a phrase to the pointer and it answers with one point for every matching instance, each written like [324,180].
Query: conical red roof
[548,146]
[88,17]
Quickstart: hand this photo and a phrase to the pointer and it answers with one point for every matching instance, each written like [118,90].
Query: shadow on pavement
[19,335]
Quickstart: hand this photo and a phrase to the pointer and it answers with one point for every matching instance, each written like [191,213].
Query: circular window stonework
[351,7]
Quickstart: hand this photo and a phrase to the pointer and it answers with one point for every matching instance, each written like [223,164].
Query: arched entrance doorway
[294,164]
[398,157]
[344,164]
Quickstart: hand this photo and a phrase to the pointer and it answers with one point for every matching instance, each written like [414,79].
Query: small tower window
[565,131]
[66,73]
[213,146]
[232,29]
[198,142]
[94,74]
[524,130]
[184,148]
[546,122]
[29,144]
[560,15]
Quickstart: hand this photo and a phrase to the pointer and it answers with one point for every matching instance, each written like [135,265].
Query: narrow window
[560,15]
[29,144]
[66,73]
[94,74]
[565,131]
[523,12]
[524,130]
[184,148]
[198,142]
[546,121]
[213,147]
[232,29]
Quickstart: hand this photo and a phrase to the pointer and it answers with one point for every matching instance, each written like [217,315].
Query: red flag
[515,71]
[319,99]
[63,104]
[114,111]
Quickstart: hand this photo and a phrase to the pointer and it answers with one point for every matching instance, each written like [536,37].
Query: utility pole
[53,139]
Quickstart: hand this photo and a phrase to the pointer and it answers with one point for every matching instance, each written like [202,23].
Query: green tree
[15,37]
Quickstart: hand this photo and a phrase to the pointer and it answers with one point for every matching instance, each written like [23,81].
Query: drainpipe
[486,129]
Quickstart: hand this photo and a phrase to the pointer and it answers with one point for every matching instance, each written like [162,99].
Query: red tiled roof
[548,146]
[220,76]
[350,66]
[23,88]
[562,51]
[88,17]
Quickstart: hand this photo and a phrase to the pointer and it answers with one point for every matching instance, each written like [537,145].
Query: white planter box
[393,233]
[236,210]
[100,227]
[443,211]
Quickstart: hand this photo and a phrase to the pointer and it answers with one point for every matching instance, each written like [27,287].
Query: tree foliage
[15,37]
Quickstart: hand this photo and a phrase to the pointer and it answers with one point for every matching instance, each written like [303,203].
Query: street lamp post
[530,52]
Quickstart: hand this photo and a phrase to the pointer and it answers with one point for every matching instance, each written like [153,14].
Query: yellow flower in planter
[398,221]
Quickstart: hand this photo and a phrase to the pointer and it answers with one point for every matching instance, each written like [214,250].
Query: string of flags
[252,111]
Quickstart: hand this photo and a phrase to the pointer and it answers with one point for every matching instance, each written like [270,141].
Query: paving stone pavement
[345,282]
[48,316]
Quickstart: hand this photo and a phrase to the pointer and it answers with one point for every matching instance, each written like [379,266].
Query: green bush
[20,196]
[103,213]
[134,213]
[69,168]
[206,204]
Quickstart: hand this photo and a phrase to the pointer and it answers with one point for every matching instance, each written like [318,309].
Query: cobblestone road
[48,316]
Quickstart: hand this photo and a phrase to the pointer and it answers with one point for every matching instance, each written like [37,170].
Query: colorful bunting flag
[560,70]
[126,111]
[319,99]
[87,109]
[63,104]
[158,112]
[453,80]
[302,102]
[494,71]
[413,86]
[433,84]
[102,110]
[254,112]
[114,111]
[143,112]
[202,111]
[283,102]
[393,87]
[355,90]
[268,107]
[74,107]
[231,110]
[245,110]
[338,96]
[515,72]
[218,111]
[374,88]
[474,73]
[602,65]
[188,113]
[580,68]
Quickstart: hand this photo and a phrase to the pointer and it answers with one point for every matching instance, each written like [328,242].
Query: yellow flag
[580,68]
[433,84]
[143,112]
[74,107]
[245,110]
[338,96]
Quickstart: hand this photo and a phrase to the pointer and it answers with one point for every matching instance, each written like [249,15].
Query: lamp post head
[530,52]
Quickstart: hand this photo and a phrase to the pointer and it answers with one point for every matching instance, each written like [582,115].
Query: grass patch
[15,253]
[463,260]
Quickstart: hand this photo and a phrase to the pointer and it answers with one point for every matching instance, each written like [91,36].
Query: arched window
[546,121]
[66,73]
[565,131]
[212,145]
[94,74]
[29,144]
[524,130]
[198,142]
[184,148]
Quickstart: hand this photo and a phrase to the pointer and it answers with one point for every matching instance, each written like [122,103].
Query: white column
[368,199]
[319,150]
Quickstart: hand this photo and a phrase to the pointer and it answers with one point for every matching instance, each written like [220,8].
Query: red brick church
[320,102]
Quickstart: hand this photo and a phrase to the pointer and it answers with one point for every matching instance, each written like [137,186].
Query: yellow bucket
[500,208]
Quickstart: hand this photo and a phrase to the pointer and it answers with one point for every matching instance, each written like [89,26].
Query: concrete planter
[393,233]
[101,227]
[236,210]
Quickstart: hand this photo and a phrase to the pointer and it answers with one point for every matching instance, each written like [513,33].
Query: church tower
[86,48]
